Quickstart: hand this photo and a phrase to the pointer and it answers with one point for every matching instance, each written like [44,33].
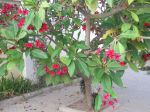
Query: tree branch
[118,9]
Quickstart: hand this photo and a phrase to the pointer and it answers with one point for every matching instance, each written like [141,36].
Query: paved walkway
[135,97]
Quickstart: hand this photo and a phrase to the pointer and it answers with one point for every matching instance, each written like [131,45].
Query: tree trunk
[87,81]
[88,96]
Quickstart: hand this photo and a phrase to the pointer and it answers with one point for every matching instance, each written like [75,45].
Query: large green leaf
[83,67]
[37,53]
[42,14]
[37,22]
[106,82]
[71,68]
[98,73]
[117,79]
[65,60]
[133,66]
[98,102]
[29,19]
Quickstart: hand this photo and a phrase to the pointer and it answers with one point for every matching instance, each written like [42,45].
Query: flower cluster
[6,8]
[108,101]
[56,70]
[44,28]
[111,55]
[146,56]
[21,23]
[30,27]
[38,44]
[22,12]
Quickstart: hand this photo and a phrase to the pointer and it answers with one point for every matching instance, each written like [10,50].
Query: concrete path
[135,97]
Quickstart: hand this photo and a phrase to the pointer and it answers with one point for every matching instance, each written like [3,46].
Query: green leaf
[20,65]
[71,69]
[22,35]
[98,73]
[56,53]
[130,1]
[50,50]
[45,4]
[110,2]
[3,69]
[83,68]
[125,27]
[11,65]
[120,49]
[113,65]
[106,82]
[37,53]
[40,71]
[92,5]
[98,102]
[29,19]
[134,16]
[133,66]
[117,79]
[42,14]
[37,22]
[65,60]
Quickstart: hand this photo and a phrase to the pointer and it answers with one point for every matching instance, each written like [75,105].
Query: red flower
[104,104]
[84,27]
[64,70]
[55,66]
[146,24]
[28,45]
[30,27]
[98,51]
[104,60]
[52,73]
[20,11]
[110,103]
[21,23]
[14,17]
[59,72]
[43,28]
[38,44]
[106,97]
[25,12]
[47,70]
[122,63]
[116,57]
[110,54]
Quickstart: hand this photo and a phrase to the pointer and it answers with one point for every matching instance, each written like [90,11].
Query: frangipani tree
[45,30]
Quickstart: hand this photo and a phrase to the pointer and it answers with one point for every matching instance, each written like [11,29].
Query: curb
[27,96]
